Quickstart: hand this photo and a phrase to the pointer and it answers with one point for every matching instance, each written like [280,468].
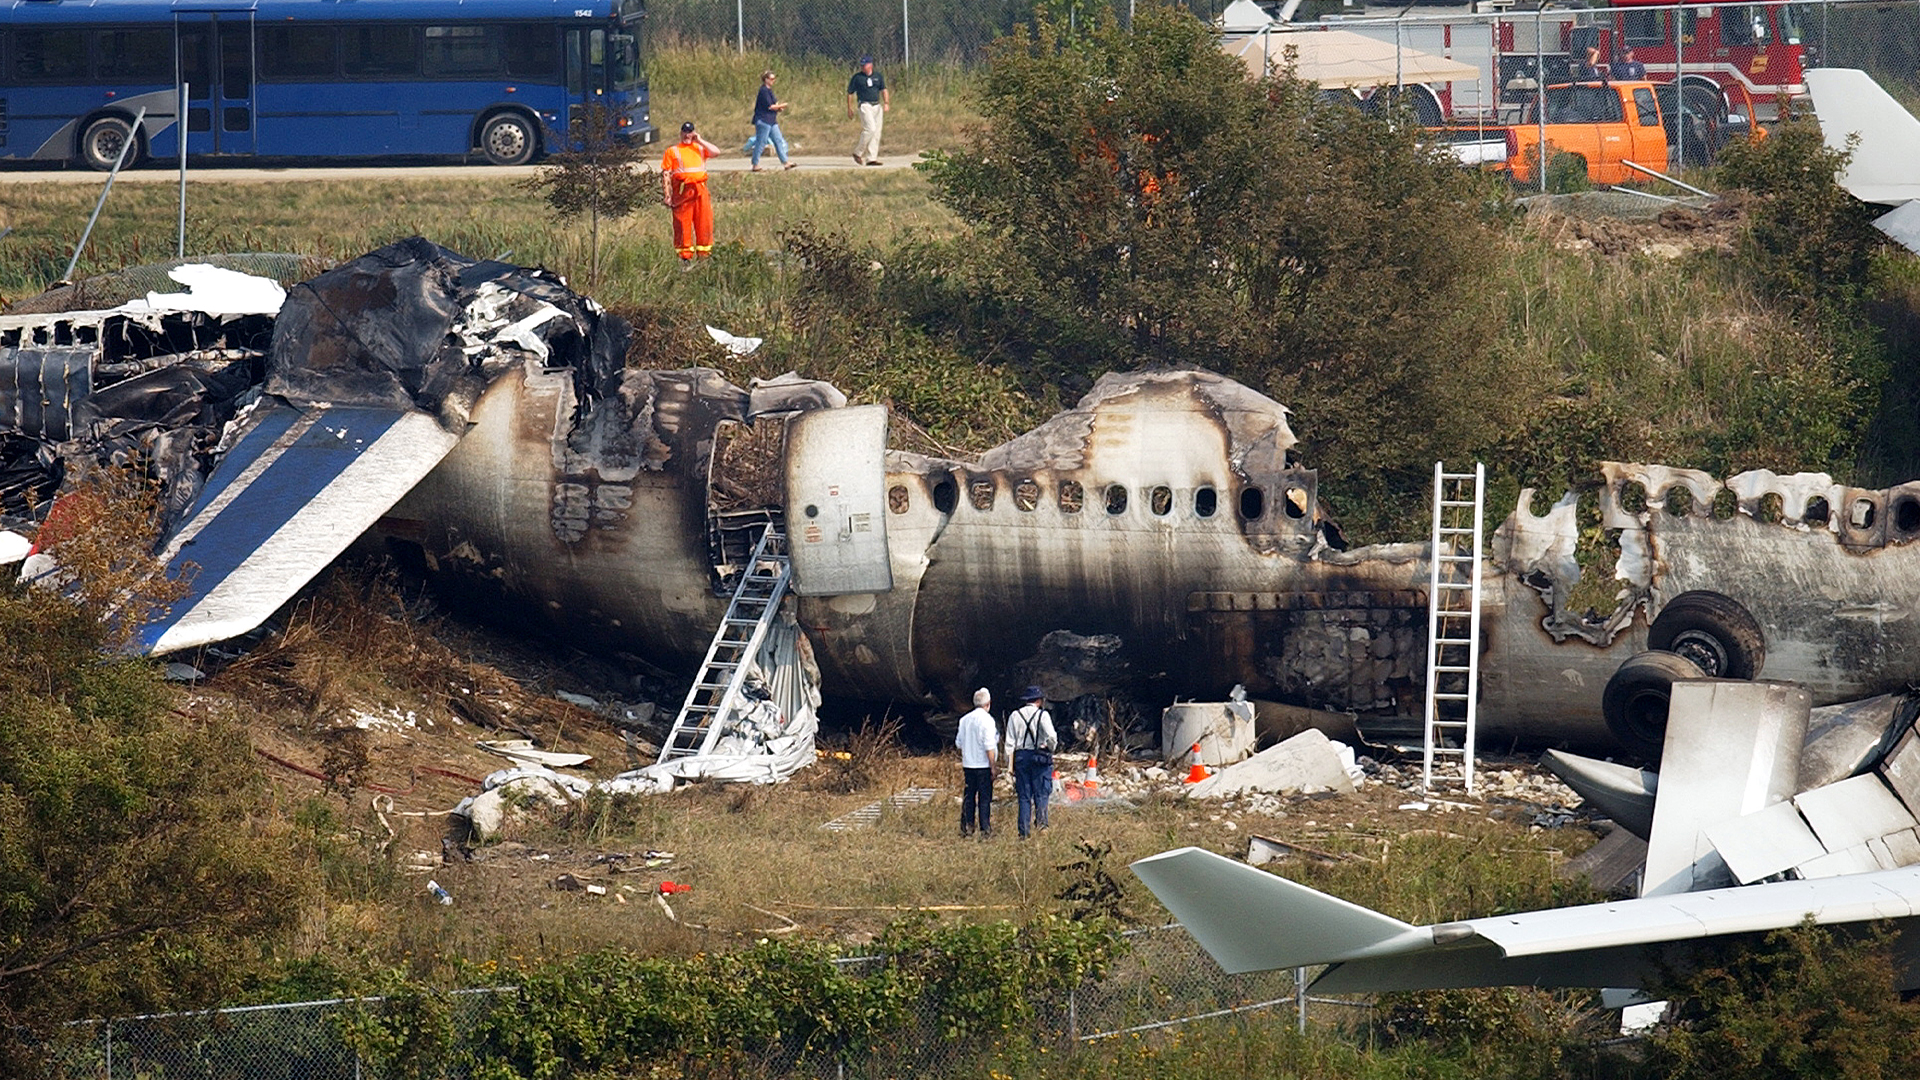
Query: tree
[1159,206]
[133,873]
[598,175]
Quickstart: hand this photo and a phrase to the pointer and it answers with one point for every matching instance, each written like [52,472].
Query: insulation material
[1306,763]
[765,741]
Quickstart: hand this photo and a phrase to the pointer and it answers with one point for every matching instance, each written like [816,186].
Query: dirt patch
[1670,231]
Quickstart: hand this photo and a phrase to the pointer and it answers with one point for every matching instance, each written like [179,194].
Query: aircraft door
[836,501]
[216,61]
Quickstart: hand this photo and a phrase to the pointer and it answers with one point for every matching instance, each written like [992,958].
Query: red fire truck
[1747,50]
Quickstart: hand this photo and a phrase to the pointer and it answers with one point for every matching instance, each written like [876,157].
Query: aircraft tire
[1635,700]
[1714,631]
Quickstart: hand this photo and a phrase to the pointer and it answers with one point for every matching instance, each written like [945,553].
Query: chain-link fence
[1760,47]
[1163,980]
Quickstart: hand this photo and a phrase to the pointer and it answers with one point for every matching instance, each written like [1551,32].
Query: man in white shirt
[1030,745]
[977,739]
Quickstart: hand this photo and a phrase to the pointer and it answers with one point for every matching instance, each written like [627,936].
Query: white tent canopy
[1342,58]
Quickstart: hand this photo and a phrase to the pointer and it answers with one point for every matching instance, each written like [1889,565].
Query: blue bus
[314,78]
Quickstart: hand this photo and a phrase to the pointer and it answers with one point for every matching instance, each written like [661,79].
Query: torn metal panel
[1769,841]
[1732,748]
[1852,812]
[1847,739]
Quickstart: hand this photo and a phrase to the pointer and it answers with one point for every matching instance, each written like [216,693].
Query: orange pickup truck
[1605,125]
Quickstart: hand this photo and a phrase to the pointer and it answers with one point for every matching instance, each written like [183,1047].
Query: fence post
[1073,1014]
[1300,996]
[108,1027]
[740,25]
[1540,92]
[906,47]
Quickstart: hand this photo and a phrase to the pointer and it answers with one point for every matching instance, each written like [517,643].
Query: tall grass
[715,86]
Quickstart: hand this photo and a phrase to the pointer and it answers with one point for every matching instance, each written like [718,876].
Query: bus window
[462,52]
[530,54]
[49,56]
[587,71]
[196,70]
[625,49]
[375,51]
[296,53]
[134,55]
[236,66]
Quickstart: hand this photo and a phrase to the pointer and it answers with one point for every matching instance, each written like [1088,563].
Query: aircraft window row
[1072,498]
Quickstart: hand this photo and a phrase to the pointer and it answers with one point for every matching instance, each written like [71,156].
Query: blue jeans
[765,135]
[1033,785]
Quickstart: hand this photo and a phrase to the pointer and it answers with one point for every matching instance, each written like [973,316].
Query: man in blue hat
[1031,742]
[868,90]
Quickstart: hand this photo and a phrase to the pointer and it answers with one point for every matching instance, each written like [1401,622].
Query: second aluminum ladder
[1453,626]
[716,689]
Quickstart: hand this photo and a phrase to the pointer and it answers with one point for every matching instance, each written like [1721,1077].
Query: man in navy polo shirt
[868,89]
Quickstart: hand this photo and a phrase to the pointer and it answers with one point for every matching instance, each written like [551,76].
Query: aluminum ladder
[716,689]
[1453,626]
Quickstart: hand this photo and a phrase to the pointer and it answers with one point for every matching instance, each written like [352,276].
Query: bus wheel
[101,142]
[507,139]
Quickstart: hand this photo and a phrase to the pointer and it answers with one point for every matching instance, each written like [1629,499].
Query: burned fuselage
[1160,527]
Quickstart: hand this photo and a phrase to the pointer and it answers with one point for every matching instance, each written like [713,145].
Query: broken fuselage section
[1160,531]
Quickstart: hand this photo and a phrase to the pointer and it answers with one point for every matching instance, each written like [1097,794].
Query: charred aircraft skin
[1829,573]
[1163,515]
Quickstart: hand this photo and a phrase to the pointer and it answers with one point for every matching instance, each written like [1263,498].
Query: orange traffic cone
[1196,772]
[1092,782]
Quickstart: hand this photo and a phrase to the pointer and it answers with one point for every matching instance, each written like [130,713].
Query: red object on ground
[668,888]
[1196,772]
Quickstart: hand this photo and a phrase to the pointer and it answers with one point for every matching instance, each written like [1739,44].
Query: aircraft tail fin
[1885,167]
[1250,920]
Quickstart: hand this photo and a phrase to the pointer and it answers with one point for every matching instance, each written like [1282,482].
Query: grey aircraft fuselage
[1163,510]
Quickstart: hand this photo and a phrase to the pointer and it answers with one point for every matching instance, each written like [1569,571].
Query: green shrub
[1811,1001]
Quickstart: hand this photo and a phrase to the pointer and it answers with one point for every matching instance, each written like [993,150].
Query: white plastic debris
[581,700]
[734,343]
[13,547]
[216,291]
[1306,763]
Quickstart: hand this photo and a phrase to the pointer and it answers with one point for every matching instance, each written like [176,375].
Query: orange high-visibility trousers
[693,221]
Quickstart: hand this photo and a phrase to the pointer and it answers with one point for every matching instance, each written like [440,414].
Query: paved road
[225,174]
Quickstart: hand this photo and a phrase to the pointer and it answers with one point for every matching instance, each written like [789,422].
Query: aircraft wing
[1885,167]
[300,484]
[1858,116]
[1250,920]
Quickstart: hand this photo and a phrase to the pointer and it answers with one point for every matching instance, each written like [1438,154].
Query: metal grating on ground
[870,813]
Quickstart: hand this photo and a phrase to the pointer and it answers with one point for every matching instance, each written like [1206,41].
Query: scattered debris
[1306,763]
[524,750]
[439,894]
[733,343]
[870,813]
[184,673]
[1262,850]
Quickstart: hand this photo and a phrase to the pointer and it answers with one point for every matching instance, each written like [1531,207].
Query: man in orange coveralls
[683,183]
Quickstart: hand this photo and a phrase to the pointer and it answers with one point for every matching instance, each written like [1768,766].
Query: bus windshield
[623,57]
